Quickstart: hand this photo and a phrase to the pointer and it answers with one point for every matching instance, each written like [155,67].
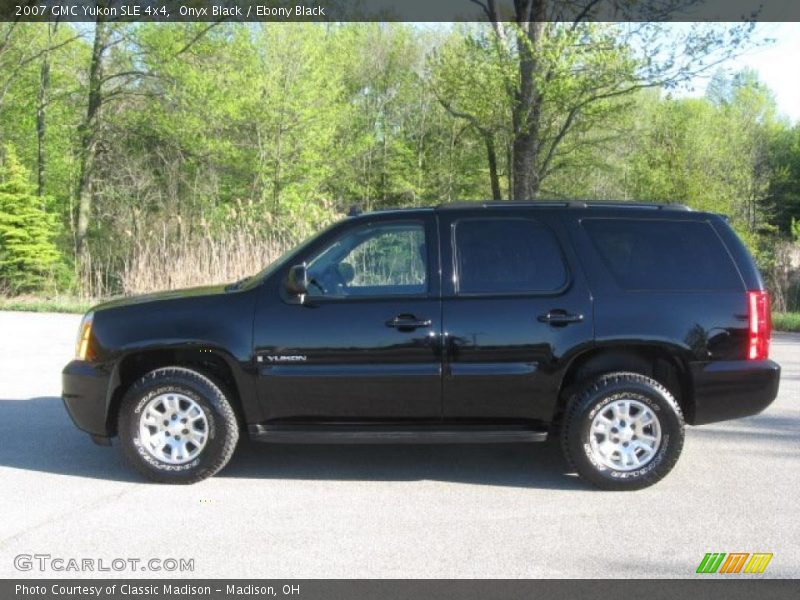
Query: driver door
[364,343]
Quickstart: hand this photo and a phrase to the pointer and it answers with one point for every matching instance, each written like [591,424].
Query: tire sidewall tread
[223,428]
[598,393]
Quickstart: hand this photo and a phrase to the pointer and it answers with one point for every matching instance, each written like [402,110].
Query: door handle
[407,323]
[558,317]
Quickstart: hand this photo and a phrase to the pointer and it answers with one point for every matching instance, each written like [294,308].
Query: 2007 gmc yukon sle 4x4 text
[609,325]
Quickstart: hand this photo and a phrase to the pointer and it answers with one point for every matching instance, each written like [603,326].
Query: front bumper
[85,395]
[732,389]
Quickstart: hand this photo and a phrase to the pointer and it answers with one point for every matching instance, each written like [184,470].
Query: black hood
[206,290]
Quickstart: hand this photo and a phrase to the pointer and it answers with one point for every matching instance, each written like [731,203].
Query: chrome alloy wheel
[173,428]
[625,435]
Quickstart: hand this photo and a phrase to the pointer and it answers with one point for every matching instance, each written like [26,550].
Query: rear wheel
[177,426]
[623,431]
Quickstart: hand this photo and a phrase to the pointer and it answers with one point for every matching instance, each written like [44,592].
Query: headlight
[82,349]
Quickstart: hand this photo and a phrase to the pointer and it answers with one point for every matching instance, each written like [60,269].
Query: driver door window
[375,260]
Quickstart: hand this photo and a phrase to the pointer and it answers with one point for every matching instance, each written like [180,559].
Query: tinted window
[507,256]
[377,260]
[664,255]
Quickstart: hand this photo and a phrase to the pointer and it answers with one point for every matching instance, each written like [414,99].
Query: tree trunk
[491,155]
[523,167]
[41,113]
[526,112]
[527,177]
[41,124]
[88,136]
[509,170]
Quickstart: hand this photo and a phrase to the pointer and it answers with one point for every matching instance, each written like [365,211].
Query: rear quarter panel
[698,325]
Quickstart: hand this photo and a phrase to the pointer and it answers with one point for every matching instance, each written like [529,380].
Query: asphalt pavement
[280,511]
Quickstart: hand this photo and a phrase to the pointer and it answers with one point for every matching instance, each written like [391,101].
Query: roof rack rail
[578,204]
[500,203]
[651,205]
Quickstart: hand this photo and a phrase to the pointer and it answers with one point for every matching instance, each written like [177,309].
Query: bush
[786,321]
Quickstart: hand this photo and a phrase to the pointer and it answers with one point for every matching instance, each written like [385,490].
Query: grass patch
[786,321]
[34,304]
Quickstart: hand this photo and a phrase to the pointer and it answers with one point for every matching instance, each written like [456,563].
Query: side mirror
[297,280]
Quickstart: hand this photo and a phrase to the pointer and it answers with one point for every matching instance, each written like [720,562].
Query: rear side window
[663,255]
[503,256]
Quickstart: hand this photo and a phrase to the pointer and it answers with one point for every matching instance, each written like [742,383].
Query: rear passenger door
[514,308]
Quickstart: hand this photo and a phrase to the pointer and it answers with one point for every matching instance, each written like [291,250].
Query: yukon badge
[283,358]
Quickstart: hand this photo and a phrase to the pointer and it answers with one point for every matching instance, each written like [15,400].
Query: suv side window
[375,260]
[507,256]
[659,254]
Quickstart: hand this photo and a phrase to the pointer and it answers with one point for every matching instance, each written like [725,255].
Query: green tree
[385,116]
[785,183]
[468,71]
[712,154]
[28,254]
[566,67]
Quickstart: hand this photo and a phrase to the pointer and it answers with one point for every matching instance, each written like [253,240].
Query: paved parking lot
[385,511]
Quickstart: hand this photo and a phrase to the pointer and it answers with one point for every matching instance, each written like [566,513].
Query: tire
[612,453]
[190,400]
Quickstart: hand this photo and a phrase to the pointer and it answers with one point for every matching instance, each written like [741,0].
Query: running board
[307,433]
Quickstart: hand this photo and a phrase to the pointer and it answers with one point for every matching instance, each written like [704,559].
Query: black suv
[609,325]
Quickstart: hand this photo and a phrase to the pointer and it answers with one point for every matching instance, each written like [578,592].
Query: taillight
[760,328]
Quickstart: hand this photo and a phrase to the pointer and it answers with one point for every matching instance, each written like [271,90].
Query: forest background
[141,156]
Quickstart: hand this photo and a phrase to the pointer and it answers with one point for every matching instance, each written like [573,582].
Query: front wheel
[177,426]
[623,431]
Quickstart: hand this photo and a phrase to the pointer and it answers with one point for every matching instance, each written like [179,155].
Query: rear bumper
[732,389]
[85,391]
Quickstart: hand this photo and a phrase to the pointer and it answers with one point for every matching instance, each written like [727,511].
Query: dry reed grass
[166,262]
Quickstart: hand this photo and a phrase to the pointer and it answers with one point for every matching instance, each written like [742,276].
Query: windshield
[285,258]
